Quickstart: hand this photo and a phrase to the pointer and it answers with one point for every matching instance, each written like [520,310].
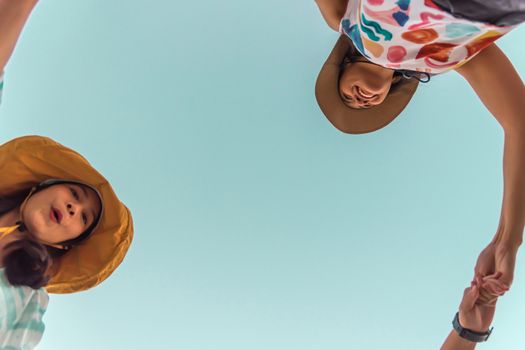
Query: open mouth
[55,215]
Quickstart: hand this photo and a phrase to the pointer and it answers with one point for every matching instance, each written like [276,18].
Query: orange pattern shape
[482,42]
[372,47]
[420,36]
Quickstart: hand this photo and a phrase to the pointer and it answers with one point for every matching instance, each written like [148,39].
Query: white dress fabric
[415,35]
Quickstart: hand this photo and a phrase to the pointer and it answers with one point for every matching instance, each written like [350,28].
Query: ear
[396,78]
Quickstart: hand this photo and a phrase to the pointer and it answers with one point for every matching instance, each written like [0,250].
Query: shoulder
[332,11]
[21,315]
[490,58]
[23,301]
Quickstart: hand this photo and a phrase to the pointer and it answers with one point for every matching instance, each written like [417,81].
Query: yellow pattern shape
[374,48]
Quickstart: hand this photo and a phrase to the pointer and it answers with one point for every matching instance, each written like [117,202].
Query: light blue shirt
[21,312]
[1,85]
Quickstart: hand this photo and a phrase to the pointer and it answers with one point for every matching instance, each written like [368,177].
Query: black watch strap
[469,334]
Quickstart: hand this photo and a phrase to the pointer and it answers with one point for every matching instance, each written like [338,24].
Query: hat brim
[26,162]
[350,120]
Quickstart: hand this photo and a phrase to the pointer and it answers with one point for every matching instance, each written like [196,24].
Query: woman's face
[61,212]
[364,84]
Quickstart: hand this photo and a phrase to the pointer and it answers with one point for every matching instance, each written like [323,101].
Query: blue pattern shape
[458,30]
[377,27]
[403,4]
[400,17]
[354,35]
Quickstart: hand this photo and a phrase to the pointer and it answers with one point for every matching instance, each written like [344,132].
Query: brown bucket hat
[350,120]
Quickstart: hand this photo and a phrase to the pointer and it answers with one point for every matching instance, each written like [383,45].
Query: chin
[36,225]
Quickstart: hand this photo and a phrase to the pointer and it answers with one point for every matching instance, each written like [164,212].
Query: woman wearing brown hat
[388,47]
[62,230]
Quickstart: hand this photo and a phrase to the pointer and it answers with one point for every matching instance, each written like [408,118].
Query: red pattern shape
[396,54]
[430,3]
[437,51]
[425,20]
[435,65]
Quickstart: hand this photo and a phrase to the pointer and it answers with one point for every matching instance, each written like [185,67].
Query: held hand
[486,264]
[497,257]
[474,316]
[505,260]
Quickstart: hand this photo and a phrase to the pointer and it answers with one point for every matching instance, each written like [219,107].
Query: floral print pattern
[415,35]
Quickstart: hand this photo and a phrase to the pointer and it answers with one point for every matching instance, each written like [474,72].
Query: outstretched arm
[332,11]
[13,16]
[473,315]
[501,90]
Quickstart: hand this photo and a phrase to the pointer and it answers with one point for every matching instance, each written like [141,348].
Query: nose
[71,209]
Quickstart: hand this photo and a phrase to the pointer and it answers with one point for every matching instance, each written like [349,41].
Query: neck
[6,220]
[10,218]
[14,236]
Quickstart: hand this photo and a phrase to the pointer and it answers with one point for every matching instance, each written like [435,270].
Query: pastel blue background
[259,225]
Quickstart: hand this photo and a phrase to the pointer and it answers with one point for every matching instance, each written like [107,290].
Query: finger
[497,282]
[495,289]
[495,275]
[492,288]
[496,279]
[485,298]
[469,298]
[479,280]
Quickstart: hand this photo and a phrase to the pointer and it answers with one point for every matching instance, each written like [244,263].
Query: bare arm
[332,11]
[455,342]
[13,16]
[501,90]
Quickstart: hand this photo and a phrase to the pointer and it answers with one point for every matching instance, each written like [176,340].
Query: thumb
[469,298]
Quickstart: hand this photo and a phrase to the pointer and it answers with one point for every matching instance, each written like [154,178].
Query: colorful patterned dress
[415,35]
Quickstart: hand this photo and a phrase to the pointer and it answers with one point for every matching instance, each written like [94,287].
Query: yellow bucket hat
[30,160]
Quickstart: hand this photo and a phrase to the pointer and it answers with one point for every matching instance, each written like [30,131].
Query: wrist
[455,342]
[510,239]
[474,334]
[509,236]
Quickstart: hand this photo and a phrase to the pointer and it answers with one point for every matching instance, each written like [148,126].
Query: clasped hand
[497,257]
[493,276]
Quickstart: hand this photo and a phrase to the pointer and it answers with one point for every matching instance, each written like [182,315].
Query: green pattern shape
[378,29]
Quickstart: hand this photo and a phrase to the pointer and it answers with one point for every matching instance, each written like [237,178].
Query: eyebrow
[93,214]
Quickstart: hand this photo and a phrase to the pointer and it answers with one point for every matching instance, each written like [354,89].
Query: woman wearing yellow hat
[62,229]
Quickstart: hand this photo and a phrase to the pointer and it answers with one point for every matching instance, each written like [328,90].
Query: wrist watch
[469,334]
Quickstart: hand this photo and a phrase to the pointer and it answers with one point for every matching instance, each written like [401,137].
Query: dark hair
[26,263]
